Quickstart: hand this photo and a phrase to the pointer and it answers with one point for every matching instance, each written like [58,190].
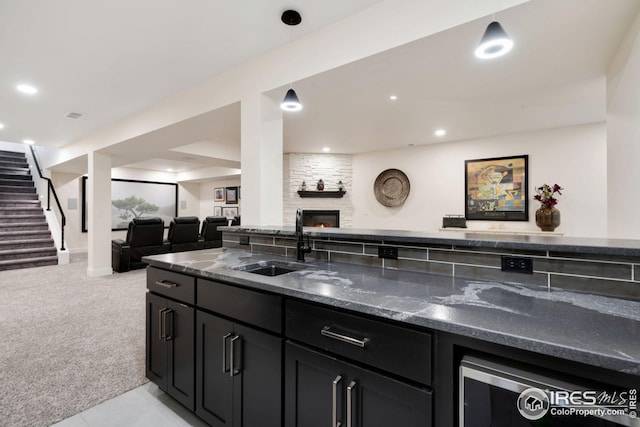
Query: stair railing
[51,190]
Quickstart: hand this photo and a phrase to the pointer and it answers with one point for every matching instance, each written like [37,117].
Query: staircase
[25,239]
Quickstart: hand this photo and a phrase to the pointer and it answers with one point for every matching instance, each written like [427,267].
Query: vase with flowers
[548,217]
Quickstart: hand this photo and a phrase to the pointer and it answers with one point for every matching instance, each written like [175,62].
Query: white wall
[573,157]
[623,135]
[331,168]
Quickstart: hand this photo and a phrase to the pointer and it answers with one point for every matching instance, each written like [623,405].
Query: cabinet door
[258,383]
[322,391]
[314,386]
[156,346]
[179,335]
[214,384]
[374,400]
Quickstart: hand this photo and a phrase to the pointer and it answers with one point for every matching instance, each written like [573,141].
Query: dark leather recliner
[145,236]
[183,234]
[212,238]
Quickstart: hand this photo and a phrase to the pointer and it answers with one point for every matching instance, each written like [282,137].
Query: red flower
[546,193]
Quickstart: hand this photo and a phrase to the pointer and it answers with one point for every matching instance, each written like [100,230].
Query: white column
[261,159]
[99,215]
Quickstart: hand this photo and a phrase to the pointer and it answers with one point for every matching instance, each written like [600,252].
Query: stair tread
[25,242]
[22,224]
[33,202]
[18,233]
[28,260]
[26,250]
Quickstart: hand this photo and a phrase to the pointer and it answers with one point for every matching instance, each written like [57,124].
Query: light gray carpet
[67,341]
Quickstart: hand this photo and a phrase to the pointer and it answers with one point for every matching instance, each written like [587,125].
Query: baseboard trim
[108,271]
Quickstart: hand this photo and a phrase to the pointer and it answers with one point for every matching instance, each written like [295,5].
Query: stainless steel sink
[271,268]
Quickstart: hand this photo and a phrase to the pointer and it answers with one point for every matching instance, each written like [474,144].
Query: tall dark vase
[548,219]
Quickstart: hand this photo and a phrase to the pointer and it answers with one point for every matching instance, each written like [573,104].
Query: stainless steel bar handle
[166,284]
[168,336]
[161,323]
[336,382]
[233,371]
[350,392]
[224,352]
[327,332]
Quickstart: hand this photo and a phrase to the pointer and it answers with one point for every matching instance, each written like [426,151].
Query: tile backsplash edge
[613,276]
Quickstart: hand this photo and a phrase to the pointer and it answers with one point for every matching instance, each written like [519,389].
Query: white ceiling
[554,76]
[108,60]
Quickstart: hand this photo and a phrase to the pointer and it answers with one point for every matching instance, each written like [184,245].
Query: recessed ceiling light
[326,149]
[440,132]
[28,89]
[1,126]
[28,141]
[169,170]
[393,97]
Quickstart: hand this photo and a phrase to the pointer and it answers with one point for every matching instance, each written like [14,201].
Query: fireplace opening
[321,218]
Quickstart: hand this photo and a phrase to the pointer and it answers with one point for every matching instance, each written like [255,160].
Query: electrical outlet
[388,252]
[517,264]
[244,240]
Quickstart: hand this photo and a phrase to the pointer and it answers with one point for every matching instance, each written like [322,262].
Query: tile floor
[145,406]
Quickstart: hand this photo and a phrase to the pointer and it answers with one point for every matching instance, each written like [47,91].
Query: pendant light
[495,42]
[291,101]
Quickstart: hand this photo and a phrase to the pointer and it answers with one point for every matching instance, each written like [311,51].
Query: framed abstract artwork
[230,212]
[496,189]
[231,195]
[218,194]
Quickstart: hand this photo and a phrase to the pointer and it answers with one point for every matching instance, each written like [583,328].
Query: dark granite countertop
[596,330]
[583,245]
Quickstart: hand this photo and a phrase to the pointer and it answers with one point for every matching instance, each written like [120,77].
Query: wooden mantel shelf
[328,194]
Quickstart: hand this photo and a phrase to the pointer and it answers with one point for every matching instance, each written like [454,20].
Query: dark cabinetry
[238,367]
[239,375]
[170,347]
[323,391]
[344,385]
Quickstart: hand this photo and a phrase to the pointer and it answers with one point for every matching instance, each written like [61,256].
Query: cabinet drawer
[253,307]
[395,349]
[173,285]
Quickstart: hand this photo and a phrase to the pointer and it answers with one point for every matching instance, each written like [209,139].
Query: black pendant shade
[291,101]
[495,42]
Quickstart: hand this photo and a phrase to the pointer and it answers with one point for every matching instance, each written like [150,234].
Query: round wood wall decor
[391,187]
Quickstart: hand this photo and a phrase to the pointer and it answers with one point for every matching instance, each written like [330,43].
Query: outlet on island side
[244,240]
[517,264]
[387,252]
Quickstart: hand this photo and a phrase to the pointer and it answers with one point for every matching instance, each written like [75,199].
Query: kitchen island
[582,335]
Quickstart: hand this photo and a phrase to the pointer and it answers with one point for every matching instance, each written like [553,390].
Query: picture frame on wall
[496,189]
[217,211]
[231,195]
[230,211]
[136,199]
[218,194]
